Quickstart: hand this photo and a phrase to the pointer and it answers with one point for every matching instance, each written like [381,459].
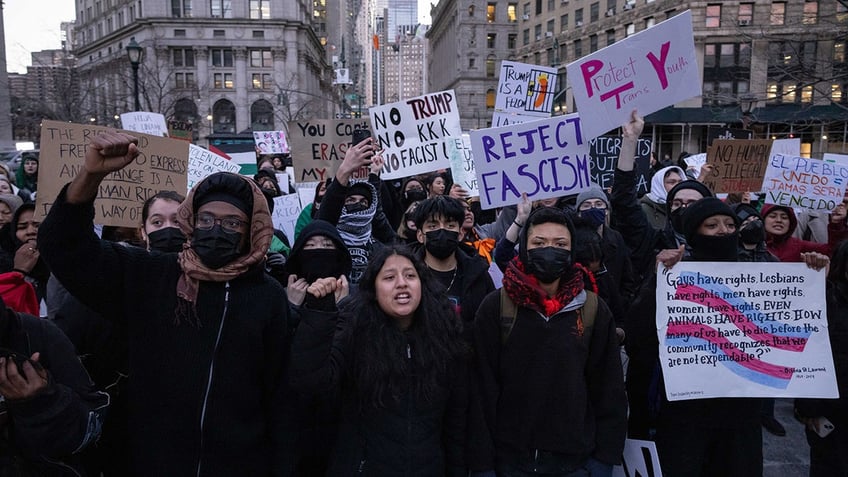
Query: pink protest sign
[648,71]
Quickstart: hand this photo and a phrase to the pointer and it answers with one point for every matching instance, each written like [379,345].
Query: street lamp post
[134,53]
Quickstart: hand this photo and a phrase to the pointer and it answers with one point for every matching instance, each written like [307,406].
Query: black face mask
[414,195]
[594,216]
[441,243]
[677,219]
[715,248]
[319,263]
[753,233]
[548,263]
[215,247]
[356,207]
[166,240]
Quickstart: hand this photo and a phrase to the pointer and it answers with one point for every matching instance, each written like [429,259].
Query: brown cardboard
[739,165]
[318,147]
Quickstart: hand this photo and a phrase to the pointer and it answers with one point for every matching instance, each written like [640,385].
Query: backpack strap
[509,312]
[588,312]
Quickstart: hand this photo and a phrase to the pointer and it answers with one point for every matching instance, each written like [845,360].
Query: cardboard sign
[271,142]
[162,164]
[604,151]
[415,134]
[545,158]
[462,165]
[145,122]
[739,165]
[318,147]
[203,163]
[743,330]
[648,71]
[180,130]
[286,211]
[525,92]
[805,183]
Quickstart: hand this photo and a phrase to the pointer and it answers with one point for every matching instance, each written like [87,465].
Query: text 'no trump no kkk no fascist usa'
[545,158]
[648,71]
[743,330]
[415,133]
[162,164]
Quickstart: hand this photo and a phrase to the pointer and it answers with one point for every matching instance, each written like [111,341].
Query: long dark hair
[382,365]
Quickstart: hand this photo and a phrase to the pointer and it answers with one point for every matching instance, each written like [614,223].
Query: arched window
[490,99]
[262,116]
[223,117]
[185,120]
[185,110]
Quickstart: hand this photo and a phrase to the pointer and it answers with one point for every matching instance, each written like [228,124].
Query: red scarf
[524,289]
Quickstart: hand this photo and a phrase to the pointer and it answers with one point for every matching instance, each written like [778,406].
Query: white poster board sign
[743,330]
[635,461]
[271,142]
[415,133]
[203,162]
[462,165]
[545,158]
[804,183]
[648,71]
[145,122]
[286,210]
[525,92]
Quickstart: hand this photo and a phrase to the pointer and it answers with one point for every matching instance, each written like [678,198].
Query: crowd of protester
[375,341]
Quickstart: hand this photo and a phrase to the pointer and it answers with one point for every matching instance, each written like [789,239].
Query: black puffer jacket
[407,437]
[204,400]
[43,433]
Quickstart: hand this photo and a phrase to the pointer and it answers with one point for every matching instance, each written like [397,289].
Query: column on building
[204,84]
[242,83]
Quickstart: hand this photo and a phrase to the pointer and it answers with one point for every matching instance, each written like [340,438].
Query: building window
[593,43]
[594,12]
[771,91]
[510,41]
[490,40]
[578,17]
[525,40]
[261,59]
[219,33]
[836,93]
[578,48]
[471,64]
[511,12]
[549,28]
[778,13]
[490,99]
[261,81]
[537,30]
[811,16]
[563,23]
[490,12]
[181,8]
[223,117]
[221,57]
[526,11]
[260,9]
[629,29]
[490,67]
[649,22]
[262,116]
[537,58]
[120,19]
[789,94]
[841,12]
[183,57]
[538,7]
[184,80]
[222,8]
[713,19]
[839,52]
[551,5]
[551,60]
[258,34]
[610,37]
[746,14]
[223,80]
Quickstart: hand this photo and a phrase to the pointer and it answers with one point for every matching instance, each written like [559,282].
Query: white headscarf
[658,193]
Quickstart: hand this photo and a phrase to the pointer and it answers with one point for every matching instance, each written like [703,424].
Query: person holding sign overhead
[207,327]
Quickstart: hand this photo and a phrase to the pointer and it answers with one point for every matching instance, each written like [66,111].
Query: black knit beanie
[225,187]
[696,213]
[690,184]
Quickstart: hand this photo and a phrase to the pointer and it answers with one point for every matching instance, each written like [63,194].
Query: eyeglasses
[679,203]
[229,224]
[588,204]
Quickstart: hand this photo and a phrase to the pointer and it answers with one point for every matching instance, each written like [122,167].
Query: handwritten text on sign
[462,165]
[743,330]
[739,165]
[319,146]
[145,122]
[271,142]
[604,151]
[806,183]
[526,89]
[161,165]
[203,163]
[415,133]
[545,158]
[647,71]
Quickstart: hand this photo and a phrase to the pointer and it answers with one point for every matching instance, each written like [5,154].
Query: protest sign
[787,147]
[318,147]
[695,162]
[648,71]
[743,330]
[145,122]
[203,163]
[726,133]
[525,92]
[545,158]
[462,165]
[286,211]
[161,164]
[805,183]
[739,165]
[180,129]
[640,458]
[415,134]
[271,142]
[604,151]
